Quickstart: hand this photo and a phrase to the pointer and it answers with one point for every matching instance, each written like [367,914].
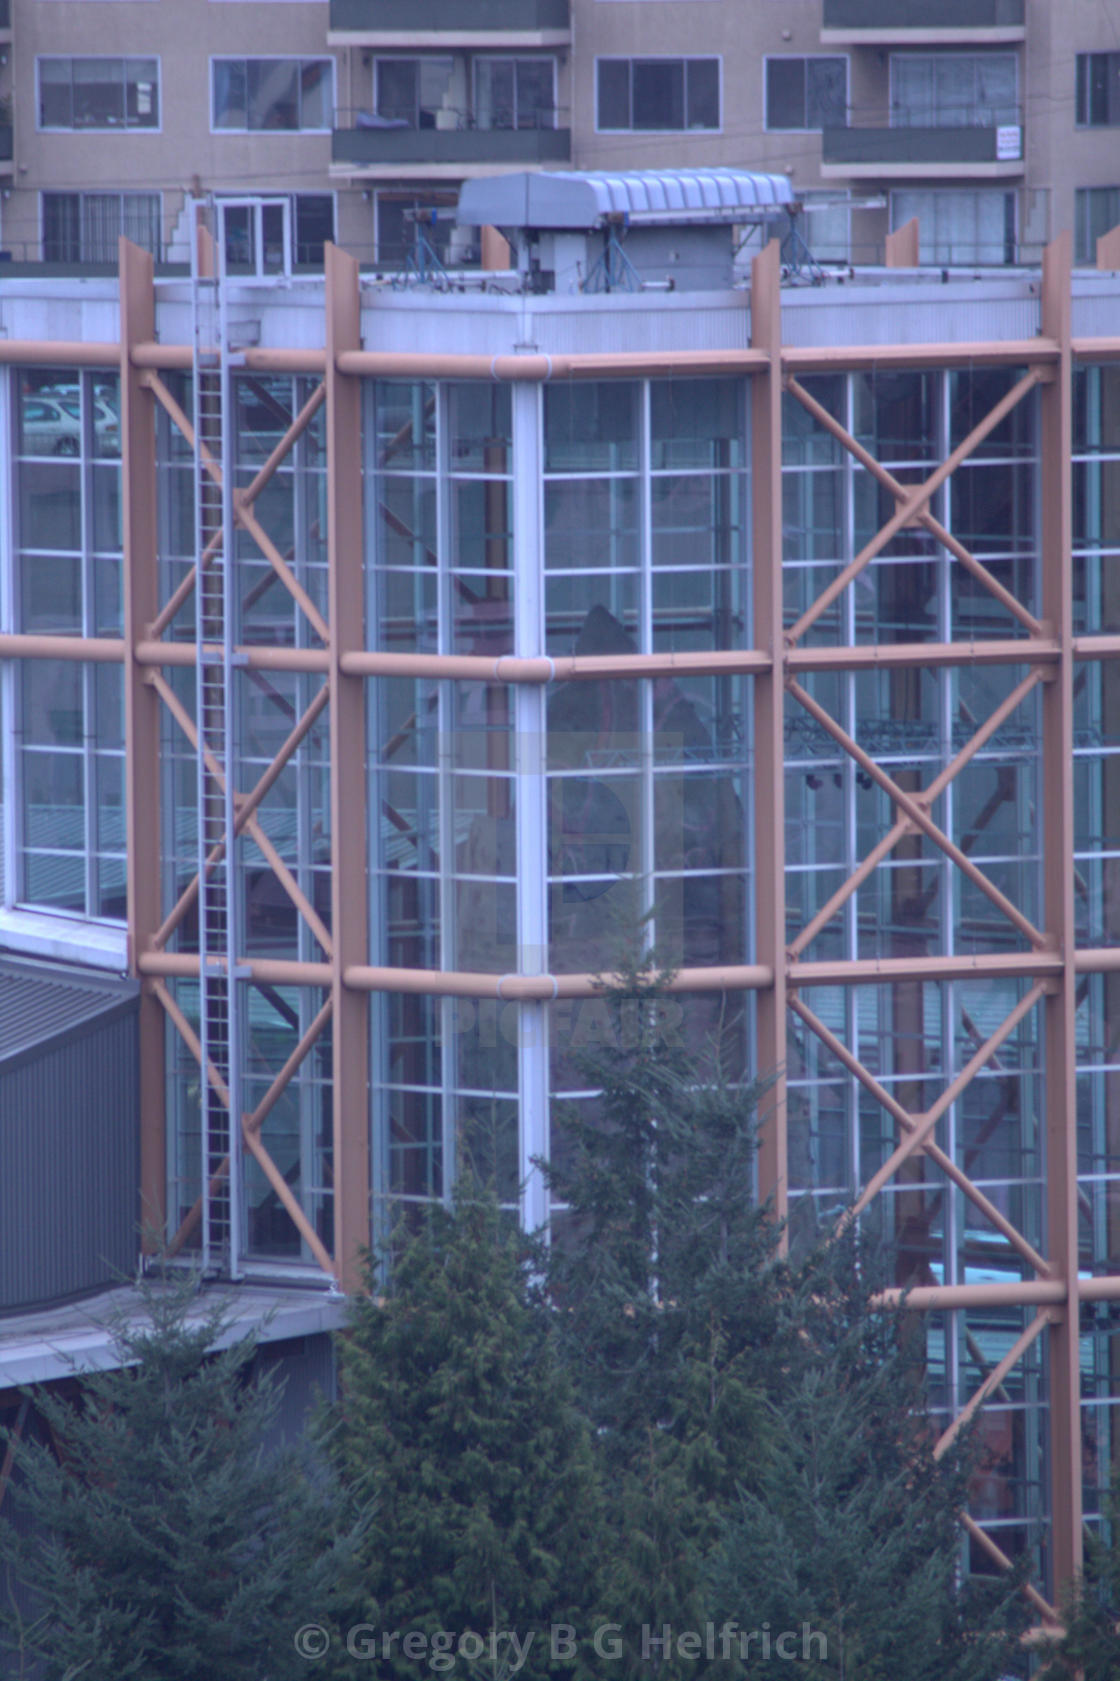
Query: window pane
[142,93]
[396,89]
[315,94]
[98,92]
[591,428]
[703,93]
[50,504]
[52,707]
[827,106]
[658,93]
[101,227]
[785,93]
[273,88]
[230,105]
[61,227]
[496,102]
[139,220]
[314,225]
[996,91]
[55,108]
[614,93]
[534,93]
[1097,211]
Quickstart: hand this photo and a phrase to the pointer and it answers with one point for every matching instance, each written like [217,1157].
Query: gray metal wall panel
[69,1166]
[305,1369]
[915,312]
[38,1001]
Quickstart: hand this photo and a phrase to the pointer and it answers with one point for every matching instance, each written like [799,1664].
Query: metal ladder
[219,919]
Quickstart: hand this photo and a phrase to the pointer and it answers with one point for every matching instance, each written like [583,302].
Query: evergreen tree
[849,1542]
[764,1427]
[457,1427]
[1091,1648]
[669,1292]
[166,1541]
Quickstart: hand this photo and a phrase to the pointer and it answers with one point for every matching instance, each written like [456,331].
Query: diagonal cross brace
[915,501]
[914,807]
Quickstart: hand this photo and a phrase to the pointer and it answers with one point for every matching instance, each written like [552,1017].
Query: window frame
[299,60]
[683,59]
[125,126]
[26,924]
[804,59]
[1084,250]
[81,194]
[976,58]
[1009,196]
[515,59]
[1082,101]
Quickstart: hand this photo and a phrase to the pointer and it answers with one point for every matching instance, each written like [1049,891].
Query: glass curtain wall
[291,823]
[65,846]
[1096,536]
[914,1036]
[513,834]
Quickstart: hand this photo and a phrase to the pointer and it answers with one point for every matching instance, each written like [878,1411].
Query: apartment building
[994,123]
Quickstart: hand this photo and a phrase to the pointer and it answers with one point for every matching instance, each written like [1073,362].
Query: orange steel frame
[777,662]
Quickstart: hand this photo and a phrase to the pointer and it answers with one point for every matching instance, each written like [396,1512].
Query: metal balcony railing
[450,137]
[510,17]
[891,16]
[978,136]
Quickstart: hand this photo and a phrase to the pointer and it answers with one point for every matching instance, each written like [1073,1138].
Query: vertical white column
[531,801]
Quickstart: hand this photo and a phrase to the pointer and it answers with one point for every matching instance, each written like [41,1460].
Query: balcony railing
[5,142]
[500,17]
[897,149]
[890,17]
[365,139]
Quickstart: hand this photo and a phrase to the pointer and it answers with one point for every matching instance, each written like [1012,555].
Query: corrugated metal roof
[567,199]
[79,1337]
[40,1002]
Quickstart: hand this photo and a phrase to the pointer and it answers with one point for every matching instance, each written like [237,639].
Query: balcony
[853,23]
[5,17]
[448,146]
[984,151]
[447,22]
[5,143]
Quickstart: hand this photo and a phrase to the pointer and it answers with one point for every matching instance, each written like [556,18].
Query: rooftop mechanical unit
[673,228]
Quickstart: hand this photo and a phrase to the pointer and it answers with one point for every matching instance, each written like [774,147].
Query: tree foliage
[166,1541]
[850,1539]
[762,1424]
[668,1290]
[457,1426]
[1091,1648]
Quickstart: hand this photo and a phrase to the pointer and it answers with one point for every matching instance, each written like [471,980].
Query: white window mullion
[9,793]
[531,799]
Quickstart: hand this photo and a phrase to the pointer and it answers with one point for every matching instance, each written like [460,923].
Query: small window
[1096,212]
[258,95]
[1098,90]
[85,227]
[954,90]
[515,93]
[417,93]
[98,93]
[960,225]
[398,214]
[806,93]
[652,94]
